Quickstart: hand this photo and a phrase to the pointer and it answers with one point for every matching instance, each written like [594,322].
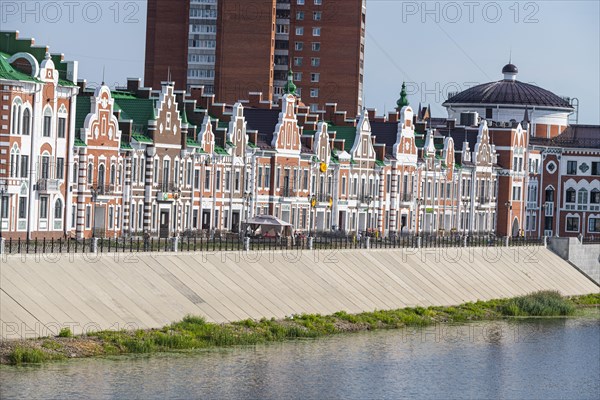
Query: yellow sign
[323,167]
[313,202]
[330,201]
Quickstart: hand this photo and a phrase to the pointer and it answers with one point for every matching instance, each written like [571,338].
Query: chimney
[133,84]
[330,110]
[82,83]
[339,144]
[393,116]
[253,137]
[379,151]
[196,93]
[254,99]
[371,113]
[450,123]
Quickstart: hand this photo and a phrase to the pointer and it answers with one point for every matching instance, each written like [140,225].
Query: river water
[529,359]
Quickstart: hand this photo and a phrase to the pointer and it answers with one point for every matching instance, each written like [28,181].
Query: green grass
[539,304]
[65,332]
[25,355]
[193,332]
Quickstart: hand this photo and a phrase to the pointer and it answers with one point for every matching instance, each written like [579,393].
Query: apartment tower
[235,47]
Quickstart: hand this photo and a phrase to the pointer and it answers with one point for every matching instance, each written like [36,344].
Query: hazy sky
[436,47]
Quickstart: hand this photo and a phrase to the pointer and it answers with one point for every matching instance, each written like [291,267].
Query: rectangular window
[227,186]
[314,77]
[207,179]
[317,15]
[277,177]
[88,217]
[314,92]
[218,180]
[237,181]
[315,61]
[43,207]
[572,224]
[196,179]
[4,210]
[47,126]
[111,218]
[24,166]
[260,172]
[267,177]
[299,30]
[22,207]
[62,124]
[572,167]
[299,46]
[343,185]
[60,168]
[73,216]
[316,31]
[297,76]
[316,46]
[595,168]
[594,225]
[300,16]
[155,180]
[188,174]
[297,61]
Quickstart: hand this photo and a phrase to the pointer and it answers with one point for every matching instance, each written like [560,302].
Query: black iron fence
[237,243]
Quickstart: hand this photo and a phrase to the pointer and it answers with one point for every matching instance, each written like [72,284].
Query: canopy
[267,225]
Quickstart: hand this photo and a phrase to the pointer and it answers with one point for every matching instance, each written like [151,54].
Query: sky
[436,47]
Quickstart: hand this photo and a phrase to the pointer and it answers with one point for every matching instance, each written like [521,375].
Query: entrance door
[99,221]
[164,224]
[205,219]
[403,222]
[342,220]
[235,221]
[515,227]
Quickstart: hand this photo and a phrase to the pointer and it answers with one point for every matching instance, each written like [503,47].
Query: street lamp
[2,192]
[419,201]
[94,192]
[508,206]
[368,200]
[312,200]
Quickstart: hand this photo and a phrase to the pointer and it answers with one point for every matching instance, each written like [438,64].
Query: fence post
[506,241]
[2,245]
[419,244]
[465,241]
[368,242]
[175,244]
[95,245]
[246,244]
[545,241]
[310,243]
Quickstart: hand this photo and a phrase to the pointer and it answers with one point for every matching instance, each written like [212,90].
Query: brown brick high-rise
[256,43]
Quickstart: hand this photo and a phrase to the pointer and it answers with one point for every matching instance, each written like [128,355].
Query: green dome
[290,87]
[403,101]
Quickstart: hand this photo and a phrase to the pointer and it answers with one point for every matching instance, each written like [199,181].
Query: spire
[290,87]
[525,122]
[184,119]
[403,101]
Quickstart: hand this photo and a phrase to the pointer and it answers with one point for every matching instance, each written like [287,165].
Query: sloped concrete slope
[39,295]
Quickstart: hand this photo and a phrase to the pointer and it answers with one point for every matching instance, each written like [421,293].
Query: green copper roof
[221,151]
[290,87]
[347,133]
[126,146]
[380,163]
[251,145]
[79,143]
[140,138]
[9,73]
[192,143]
[183,115]
[403,100]
[84,106]
[138,110]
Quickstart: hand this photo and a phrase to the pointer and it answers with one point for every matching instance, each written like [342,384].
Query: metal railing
[238,243]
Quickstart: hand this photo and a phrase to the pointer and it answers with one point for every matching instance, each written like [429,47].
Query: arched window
[550,194]
[90,173]
[15,156]
[47,122]
[101,175]
[26,122]
[595,196]
[113,174]
[45,172]
[58,209]
[570,198]
[582,196]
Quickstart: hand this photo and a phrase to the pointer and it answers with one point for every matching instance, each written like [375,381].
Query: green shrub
[26,355]
[65,332]
[539,304]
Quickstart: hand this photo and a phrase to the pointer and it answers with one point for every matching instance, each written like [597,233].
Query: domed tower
[506,101]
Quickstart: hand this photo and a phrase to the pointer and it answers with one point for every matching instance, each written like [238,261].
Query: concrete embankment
[586,257]
[39,295]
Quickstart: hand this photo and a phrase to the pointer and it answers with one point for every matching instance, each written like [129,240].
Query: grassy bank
[195,333]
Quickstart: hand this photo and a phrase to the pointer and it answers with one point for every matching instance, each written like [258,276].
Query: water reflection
[531,359]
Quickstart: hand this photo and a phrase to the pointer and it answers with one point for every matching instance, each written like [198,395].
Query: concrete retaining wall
[40,295]
[586,257]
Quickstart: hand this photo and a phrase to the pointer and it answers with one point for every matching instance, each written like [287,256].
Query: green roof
[379,163]
[221,151]
[347,133]
[230,143]
[84,106]
[138,110]
[308,132]
[251,145]
[79,143]
[419,142]
[9,73]
[192,143]
[141,138]
[126,146]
